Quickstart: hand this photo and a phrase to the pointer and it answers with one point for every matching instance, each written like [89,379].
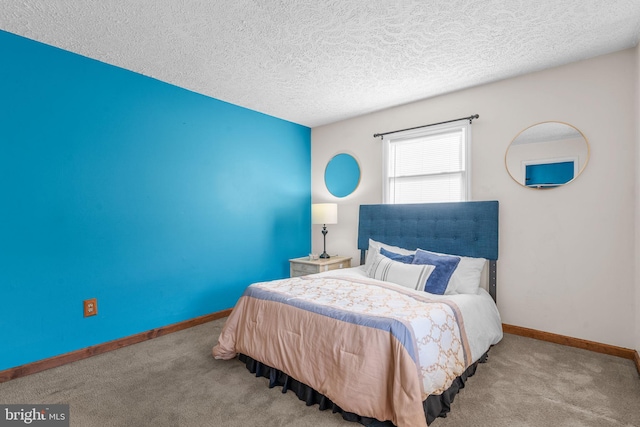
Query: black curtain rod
[470,118]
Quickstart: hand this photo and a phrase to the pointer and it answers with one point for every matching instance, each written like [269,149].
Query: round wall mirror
[547,155]
[342,175]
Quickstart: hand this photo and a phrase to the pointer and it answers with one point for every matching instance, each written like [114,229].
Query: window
[427,165]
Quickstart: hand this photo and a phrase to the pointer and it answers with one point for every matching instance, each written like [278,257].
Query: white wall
[567,263]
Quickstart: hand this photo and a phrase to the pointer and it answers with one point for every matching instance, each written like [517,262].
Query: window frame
[426,132]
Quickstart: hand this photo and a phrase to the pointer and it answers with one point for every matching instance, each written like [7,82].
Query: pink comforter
[374,349]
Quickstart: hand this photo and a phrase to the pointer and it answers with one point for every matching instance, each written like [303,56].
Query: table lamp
[324,213]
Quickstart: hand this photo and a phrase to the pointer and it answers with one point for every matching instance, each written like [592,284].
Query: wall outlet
[90,307]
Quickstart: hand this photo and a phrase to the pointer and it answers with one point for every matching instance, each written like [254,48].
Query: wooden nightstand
[303,266]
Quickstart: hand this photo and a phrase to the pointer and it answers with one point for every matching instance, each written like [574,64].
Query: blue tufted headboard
[459,228]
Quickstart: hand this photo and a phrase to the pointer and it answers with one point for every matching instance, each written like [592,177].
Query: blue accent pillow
[445,266]
[406,259]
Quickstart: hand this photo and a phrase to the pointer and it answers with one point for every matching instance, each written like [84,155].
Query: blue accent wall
[161,203]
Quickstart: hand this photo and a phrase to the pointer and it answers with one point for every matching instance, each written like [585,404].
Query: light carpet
[174,381]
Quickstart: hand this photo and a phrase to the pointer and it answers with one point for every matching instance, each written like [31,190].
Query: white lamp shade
[324,213]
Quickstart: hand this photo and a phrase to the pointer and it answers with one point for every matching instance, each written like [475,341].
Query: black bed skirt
[434,406]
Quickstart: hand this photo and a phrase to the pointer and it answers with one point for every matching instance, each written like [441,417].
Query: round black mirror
[342,175]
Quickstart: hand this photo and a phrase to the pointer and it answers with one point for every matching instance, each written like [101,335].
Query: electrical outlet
[90,307]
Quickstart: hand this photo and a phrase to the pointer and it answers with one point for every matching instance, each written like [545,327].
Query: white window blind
[427,165]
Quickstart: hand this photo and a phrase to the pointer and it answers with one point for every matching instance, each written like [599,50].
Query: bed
[392,341]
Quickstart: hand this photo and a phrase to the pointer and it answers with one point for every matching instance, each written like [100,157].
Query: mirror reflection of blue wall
[342,175]
[549,174]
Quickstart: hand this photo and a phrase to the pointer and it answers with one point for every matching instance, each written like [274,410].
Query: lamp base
[324,255]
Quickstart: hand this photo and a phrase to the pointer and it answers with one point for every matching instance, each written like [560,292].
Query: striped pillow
[412,276]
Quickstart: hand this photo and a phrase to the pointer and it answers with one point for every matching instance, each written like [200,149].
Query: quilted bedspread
[373,348]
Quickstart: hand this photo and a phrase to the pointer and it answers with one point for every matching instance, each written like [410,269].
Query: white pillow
[412,276]
[466,277]
[374,248]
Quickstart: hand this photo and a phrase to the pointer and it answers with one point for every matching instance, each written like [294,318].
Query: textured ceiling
[547,132]
[318,61]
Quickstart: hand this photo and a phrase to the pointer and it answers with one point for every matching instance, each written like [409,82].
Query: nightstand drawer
[337,265]
[303,269]
[304,266]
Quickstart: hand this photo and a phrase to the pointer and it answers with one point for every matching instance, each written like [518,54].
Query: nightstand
[303,266]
